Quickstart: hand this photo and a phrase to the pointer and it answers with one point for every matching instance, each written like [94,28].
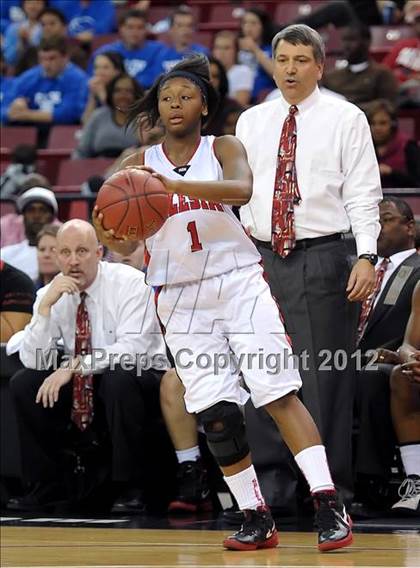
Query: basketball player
[213,302]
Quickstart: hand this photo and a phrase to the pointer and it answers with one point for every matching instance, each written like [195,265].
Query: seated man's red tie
[82,409]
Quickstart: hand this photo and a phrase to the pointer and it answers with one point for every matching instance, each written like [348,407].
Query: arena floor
[84,542]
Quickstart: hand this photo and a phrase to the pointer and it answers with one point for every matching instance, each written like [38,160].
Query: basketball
[133,203]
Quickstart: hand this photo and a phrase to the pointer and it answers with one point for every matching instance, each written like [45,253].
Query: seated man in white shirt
[384,331]
[103,316]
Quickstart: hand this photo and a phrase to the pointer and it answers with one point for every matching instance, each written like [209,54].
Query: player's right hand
[59,285]
[108,238]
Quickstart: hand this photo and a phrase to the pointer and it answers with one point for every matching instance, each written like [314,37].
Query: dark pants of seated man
[120,399]
[376,441]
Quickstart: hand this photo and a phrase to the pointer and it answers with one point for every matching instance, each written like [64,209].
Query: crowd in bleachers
[71,69]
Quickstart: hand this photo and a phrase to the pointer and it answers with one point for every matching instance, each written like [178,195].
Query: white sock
[410,456]
[245,488]
[314,466]
[191,454]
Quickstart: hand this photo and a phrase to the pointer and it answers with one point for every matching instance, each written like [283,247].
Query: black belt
[305,243]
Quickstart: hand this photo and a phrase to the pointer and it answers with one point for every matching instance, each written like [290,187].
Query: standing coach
[315,177]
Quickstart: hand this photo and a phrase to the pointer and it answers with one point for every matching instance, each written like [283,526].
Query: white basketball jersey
[200,239]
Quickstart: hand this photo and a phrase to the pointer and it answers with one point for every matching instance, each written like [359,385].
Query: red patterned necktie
[286,190]
[82,409]
[367,305]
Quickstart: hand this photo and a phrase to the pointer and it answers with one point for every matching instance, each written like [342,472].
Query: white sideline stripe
[202,566]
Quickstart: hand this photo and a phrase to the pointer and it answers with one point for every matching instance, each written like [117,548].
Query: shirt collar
[399,257]
[304,105]
[93,289]
[358,67]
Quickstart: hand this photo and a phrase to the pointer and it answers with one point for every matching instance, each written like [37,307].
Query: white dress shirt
[22,256]
[337,170]
[394,262]
[122,316]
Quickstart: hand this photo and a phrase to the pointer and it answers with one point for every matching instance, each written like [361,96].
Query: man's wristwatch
[372,258]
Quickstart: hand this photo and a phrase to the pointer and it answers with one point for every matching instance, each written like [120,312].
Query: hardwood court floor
[26,547]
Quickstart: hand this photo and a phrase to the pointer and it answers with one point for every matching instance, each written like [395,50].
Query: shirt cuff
[365,244]
[40,324]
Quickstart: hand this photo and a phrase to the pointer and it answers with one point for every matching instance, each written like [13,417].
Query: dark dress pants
[376,440]
[119,398]
[310,287]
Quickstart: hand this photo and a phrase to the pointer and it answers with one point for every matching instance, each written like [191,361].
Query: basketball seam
[149,203]
[138,206]
[127,201]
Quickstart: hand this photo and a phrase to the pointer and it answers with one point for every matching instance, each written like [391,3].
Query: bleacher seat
[75,172]
[288,11]
[11,136]
[222,13]
[385,37]
[407,125]
[7,207]
[157,13]
[63,137]
[100,40]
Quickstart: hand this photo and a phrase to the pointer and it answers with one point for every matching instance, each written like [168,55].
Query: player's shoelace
[409,488]
[328,514]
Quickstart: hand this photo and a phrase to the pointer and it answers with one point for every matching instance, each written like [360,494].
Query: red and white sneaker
[257,531]
[334,524]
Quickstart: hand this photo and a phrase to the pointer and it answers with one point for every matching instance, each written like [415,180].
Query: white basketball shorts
[222,327]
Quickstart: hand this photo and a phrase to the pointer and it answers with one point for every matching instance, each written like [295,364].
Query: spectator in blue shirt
[139,54]
[181,33]
[20,35]
[10,11]
[255,49]
[87,18]
[53,92]
[6,83]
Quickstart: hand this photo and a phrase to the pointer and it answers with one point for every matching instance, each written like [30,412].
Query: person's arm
[89,108]
[236,186]
[40,336]
[361,196]
[85,147]
[248,44]
[73,101]
[11,322]
[362,186]
[410,349]
[18,295]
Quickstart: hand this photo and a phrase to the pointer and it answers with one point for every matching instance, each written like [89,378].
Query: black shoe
[42,495]
[130,502]
[333,522]
[257,531]
[193,492]
[233,516]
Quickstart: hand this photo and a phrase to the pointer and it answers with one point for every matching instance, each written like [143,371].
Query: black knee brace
[224,426]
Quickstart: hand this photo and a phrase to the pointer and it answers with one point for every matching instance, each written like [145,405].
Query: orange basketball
[133,203]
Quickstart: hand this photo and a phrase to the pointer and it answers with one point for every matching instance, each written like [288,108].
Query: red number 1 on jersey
[195,242]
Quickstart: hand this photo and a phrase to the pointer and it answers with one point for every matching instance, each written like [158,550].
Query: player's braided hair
[197,66]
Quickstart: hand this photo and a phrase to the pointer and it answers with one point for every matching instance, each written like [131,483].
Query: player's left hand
[361,282]
[171,185]
[49,390]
